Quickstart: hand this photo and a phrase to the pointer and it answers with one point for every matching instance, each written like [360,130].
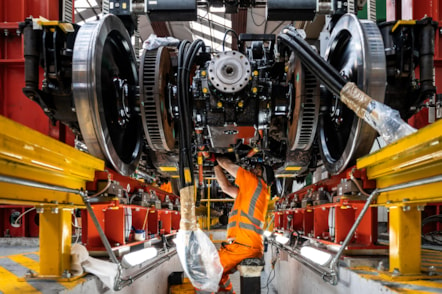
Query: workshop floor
[18,256]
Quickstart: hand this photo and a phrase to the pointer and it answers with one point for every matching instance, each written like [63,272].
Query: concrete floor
[157,279]
[10,246]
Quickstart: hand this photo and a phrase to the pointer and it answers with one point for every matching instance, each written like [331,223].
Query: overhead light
[135,258]
[217,9]
[317,256]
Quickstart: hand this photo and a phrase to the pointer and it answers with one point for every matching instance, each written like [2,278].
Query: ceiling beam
[239,25]
[160,29]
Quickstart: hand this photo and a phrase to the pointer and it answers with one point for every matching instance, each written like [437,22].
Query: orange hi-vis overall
[246,225]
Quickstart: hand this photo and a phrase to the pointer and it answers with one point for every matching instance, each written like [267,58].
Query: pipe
[33,184]
[333,263]
[411,184]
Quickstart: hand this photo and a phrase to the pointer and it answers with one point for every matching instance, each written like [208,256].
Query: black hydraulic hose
[188,98]
[186,118]
[190,59]
[313,61]
[186,59]
[181,107]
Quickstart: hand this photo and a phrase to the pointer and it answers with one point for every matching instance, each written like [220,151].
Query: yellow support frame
[405,232]
[28,155]
[414,158]
[55,242]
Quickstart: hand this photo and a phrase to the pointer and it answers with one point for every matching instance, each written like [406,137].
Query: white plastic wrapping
[200,259]
[154,42]
[385,120]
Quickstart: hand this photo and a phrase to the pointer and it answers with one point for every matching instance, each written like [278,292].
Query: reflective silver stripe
[255,198]
[253,220]
[233,212]
[231,225]
[226,284]
[251,227]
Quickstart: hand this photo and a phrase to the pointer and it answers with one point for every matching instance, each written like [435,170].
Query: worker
[246,220]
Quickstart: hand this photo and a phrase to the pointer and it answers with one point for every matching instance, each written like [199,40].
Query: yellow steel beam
[415,157]
[29,155]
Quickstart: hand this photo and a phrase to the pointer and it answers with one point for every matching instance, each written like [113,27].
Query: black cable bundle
[186,57]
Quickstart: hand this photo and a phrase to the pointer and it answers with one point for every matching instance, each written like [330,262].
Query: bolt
[40,210]
[6,31]
[420,207]
[18,32]
[31,274]
[381,266]
[405,200]
[432,270]
[66,274]
[406,208]
[396,272]
[389,202]
[440,31]
[54,210]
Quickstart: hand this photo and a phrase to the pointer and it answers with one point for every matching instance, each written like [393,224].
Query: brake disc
[158,123]
[304,118]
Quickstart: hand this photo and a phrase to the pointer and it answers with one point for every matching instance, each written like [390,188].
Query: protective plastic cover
[385,120]
[200,259]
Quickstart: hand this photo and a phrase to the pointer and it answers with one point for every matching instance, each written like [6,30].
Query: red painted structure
[13,103]
[330,223]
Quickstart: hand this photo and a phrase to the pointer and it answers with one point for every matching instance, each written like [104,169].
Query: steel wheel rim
[110,126]
[343,137]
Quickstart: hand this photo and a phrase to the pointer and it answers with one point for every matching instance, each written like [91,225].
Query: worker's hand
[223,161]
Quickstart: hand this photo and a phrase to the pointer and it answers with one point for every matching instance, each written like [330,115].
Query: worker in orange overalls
[246,220]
